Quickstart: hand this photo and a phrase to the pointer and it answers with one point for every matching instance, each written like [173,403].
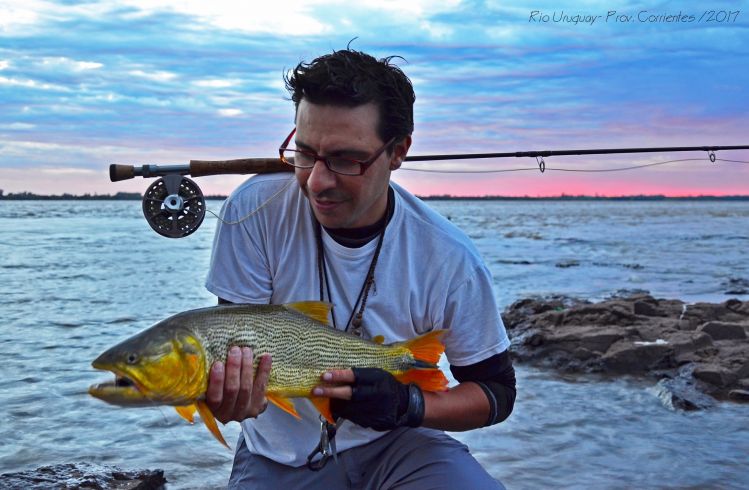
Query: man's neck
[358,237]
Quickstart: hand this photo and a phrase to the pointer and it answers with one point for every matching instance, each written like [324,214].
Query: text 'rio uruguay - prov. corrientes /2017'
[643,16]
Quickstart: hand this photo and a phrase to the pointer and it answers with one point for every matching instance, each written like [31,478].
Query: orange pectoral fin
[322,404]
[210,422]
[187,412]
[426,379]
[283,403]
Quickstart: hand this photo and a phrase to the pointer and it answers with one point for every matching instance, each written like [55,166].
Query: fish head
[163,365]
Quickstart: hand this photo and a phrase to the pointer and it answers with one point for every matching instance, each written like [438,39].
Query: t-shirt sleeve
[239,271]
[476,328]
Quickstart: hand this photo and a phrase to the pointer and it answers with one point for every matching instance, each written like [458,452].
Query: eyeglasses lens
[304,159]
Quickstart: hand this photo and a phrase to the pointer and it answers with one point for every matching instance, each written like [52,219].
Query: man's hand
[234,391]
[372,398]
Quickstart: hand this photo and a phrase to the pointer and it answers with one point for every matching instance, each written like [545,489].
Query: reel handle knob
[121,172]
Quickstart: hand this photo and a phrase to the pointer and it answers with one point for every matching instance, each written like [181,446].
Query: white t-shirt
[428,276]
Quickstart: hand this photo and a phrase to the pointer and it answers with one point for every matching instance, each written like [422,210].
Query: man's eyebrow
[342,151]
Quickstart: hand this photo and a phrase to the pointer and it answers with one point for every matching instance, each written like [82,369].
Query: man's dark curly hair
[351,78]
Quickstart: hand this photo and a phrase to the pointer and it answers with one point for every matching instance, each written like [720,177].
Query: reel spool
[174,206]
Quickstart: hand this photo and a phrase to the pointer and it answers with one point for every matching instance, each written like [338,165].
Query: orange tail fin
[427,347]
[426,379]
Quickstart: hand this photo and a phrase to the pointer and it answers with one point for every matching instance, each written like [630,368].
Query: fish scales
[301,350]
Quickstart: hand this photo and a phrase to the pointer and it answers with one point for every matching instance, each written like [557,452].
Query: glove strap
[414,415]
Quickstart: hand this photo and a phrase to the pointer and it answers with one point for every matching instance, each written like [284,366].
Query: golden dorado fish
[169,363]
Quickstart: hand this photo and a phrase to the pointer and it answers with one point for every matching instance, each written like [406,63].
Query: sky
[84,84]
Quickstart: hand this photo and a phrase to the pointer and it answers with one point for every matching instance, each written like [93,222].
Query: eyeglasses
[339,165]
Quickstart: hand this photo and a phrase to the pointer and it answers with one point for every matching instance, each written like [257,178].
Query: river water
[78,277]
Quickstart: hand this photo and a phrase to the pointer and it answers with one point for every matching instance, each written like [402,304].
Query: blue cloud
[164,85]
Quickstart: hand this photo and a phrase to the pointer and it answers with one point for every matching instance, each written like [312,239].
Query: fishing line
[171,427]
[525,169]
[542,166]
[256,210]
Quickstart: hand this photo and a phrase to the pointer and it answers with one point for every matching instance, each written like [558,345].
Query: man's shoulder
[429,225]
[273,189]
[263,185]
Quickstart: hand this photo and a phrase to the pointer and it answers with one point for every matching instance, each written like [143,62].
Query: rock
[646,309]
[609,313]
[680,392]
[739,395]
[593,339]
[83,475]
[733,305]
[642,336]
[626,357]
[687,342]
[723,330]
[714,375]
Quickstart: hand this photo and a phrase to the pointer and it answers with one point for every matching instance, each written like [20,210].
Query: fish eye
[131,358]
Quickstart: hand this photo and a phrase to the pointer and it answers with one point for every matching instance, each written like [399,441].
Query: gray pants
[404,459]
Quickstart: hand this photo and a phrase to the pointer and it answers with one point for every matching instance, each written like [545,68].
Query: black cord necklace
[355,319]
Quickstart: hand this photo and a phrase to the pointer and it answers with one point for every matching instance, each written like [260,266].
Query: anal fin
[322,404]
[283,403]
[210,422]
[187,412]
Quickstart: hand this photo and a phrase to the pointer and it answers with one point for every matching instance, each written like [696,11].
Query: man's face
[344,201]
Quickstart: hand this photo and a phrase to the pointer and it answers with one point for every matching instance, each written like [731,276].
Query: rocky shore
[697,353]
[83,475]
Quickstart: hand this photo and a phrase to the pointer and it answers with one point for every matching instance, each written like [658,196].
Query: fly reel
[174,206]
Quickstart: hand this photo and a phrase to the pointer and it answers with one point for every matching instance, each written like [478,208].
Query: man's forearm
[462,407]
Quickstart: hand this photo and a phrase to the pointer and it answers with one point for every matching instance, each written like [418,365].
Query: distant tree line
[564,197]
[30,196]
[135,196]
[120,196]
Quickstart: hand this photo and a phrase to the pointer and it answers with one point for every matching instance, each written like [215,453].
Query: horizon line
[26,195]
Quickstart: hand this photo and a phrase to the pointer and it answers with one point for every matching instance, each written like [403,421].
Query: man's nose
[320,177]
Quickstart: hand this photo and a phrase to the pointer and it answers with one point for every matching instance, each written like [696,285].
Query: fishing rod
[174,205]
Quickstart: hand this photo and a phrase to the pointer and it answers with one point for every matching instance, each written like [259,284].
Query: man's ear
[400,150]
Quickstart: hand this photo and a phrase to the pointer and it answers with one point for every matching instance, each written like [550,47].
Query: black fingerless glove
[380,402]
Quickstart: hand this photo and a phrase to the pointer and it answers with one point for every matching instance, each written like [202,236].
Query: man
[390,266]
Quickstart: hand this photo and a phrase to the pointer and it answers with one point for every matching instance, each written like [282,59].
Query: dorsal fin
[317,310]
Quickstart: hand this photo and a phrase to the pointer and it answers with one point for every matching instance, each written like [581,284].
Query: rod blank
[200,168]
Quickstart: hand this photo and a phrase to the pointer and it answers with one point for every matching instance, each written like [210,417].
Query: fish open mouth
[122,382]
[120,391]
